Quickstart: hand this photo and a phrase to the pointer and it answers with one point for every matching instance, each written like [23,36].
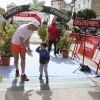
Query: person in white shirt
[20,45]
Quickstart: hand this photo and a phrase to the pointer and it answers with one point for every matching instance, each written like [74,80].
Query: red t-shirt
[53,33]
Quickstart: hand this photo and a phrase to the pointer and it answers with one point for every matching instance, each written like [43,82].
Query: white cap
[35,23]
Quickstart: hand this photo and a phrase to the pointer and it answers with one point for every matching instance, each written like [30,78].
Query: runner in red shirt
[53,36]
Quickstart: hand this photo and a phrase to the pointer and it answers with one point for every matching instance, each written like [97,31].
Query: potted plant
[2,32]
[42,32]
[47,37]
[5,45]
[64,43]
[1,77]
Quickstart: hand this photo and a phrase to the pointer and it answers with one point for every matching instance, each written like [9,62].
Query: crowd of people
[88,30]
[20,45]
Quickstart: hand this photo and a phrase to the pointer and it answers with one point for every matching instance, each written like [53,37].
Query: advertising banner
[90,46]
[37,6]
[86,23]
[72,36]
[25,14]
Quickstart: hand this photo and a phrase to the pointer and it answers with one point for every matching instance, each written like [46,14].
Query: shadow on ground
[94,95]
[46,95]
[17,92]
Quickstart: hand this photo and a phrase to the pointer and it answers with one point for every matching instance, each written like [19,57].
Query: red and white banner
[72,36]
[90,46]
[27,14]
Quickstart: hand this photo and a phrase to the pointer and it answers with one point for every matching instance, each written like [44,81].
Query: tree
[79,14]
[58,19]
[69,13]
[86,14]
[89,14]
[45,22]
[74,15]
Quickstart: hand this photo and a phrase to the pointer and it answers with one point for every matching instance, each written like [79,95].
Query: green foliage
[74,15]
[69,13]
[45,22]
[89,14]
[1,77]
[42,31]
[5,45]
[37,5]
[80,14]
[86,14]
[64,42]
[0,23]
[47,37]
[58,19]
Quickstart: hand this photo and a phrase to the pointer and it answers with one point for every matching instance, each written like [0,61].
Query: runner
[20,45]
[53,36]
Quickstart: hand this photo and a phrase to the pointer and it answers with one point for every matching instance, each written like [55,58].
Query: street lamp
[44,16]
[72,5]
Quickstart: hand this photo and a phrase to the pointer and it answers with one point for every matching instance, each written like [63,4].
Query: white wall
[1,18]
[22,20]
[80,4]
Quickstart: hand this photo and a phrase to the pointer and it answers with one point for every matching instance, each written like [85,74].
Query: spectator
[53,36]
[61,28]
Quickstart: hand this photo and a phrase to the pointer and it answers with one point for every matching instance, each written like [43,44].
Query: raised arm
[38,49]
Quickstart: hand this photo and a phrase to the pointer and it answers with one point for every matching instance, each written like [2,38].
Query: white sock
[22,73]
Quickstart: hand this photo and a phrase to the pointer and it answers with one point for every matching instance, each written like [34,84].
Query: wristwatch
[27,48]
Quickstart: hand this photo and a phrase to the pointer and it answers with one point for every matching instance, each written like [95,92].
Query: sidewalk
[90,93]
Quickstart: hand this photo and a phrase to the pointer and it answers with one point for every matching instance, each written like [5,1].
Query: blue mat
[58,67]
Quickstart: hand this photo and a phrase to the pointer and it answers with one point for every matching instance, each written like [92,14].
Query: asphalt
[84,93]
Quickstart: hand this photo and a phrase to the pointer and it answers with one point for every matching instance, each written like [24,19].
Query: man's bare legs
[23,76]
[16,58]
[22,56]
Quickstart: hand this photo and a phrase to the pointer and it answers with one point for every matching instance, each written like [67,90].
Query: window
[83,2]
[79,6]
[52,4]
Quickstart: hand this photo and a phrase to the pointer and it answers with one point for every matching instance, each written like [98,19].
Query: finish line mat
[61,83]
[58,67]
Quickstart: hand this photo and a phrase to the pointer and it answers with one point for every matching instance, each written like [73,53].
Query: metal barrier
[91,46]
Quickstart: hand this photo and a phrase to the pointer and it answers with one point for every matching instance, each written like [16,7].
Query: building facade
[12,5]
[82,4]
[90,4]
[95,5]
[2,10]
[61,5]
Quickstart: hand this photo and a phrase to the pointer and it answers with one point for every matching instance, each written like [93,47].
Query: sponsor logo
[36,5]
[12,11]
[88,46]
[59,13]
